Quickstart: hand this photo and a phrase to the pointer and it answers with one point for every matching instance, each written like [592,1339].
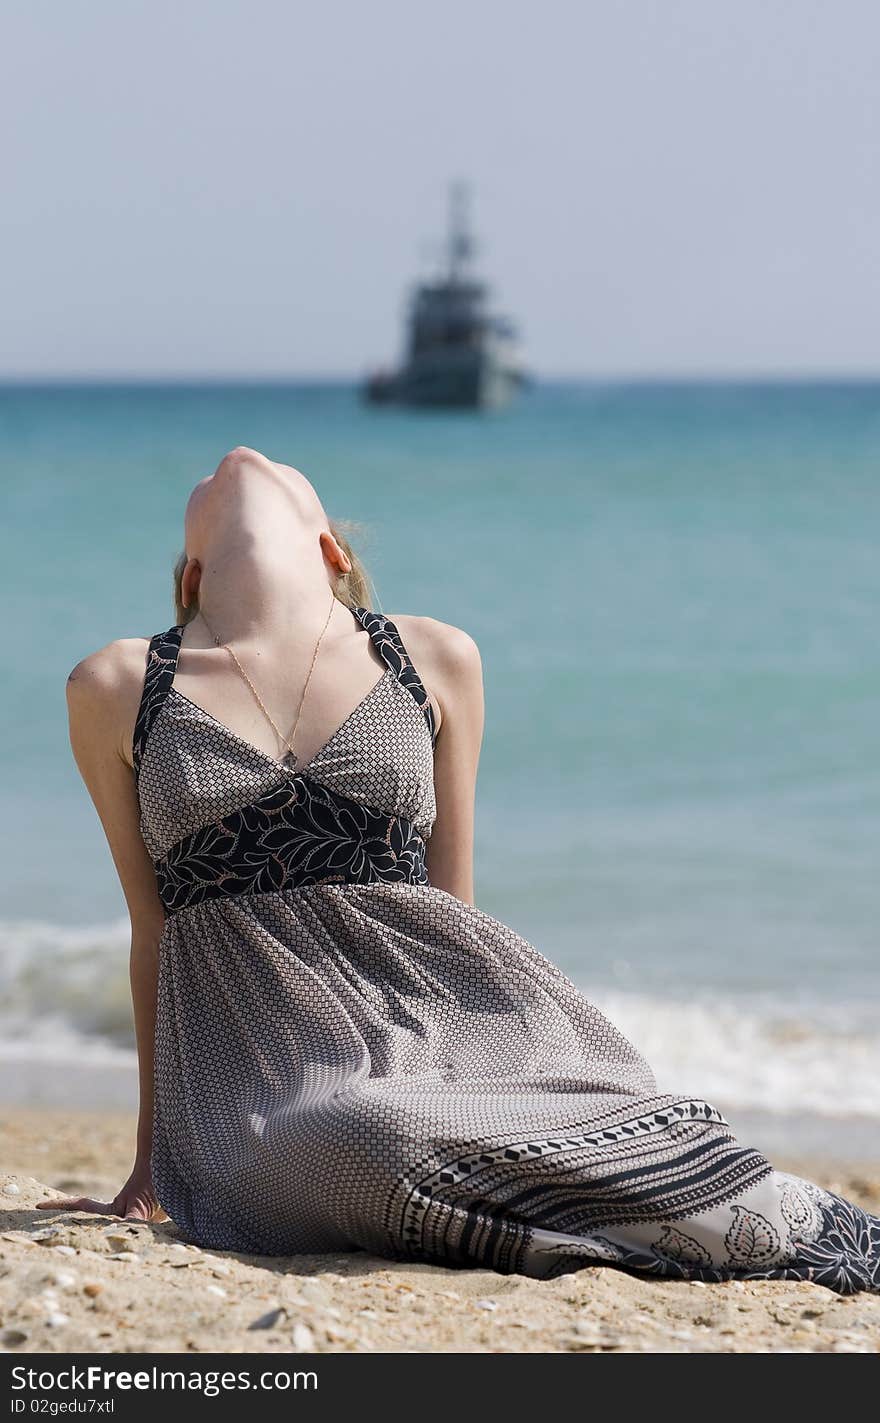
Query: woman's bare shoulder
[448,661]
[109,670]
[104,692]
[448,649]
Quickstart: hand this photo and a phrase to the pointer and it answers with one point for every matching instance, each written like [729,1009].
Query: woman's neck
[258,603]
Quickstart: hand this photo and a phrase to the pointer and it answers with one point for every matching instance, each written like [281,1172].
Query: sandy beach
[74,1283]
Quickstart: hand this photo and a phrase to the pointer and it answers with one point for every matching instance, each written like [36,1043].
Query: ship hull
[457,381]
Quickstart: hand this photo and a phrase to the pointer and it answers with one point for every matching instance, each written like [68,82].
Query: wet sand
[108,1285]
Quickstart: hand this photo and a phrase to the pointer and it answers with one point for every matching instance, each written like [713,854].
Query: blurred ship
[458,353]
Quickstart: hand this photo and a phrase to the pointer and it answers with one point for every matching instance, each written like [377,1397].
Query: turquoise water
[675,590]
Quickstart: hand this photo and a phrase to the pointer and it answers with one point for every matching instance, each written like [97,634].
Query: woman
[337,1049]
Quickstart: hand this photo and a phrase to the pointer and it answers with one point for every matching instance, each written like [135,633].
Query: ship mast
[461,244]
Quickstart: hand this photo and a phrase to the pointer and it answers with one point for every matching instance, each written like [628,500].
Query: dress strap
[389,645]
[161,665]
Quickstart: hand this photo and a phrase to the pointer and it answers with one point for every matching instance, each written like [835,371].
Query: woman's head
[255,518]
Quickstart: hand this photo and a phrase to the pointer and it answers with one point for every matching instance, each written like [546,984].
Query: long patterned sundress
[350,1058]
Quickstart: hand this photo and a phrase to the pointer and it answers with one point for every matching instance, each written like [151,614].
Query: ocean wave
[66,997]
[752,1052]
[58,981]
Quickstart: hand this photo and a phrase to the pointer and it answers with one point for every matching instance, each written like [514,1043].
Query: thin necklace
[290,758]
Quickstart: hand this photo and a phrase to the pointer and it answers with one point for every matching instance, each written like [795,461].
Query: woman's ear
[334,554]
[189,582]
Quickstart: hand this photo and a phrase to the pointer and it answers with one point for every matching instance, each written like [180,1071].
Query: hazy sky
[214,187]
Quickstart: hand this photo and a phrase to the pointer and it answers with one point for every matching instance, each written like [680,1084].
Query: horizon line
[817,375]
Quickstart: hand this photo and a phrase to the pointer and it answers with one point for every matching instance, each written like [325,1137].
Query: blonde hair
[353,589]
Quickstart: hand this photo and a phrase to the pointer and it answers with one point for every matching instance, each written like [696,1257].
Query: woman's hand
[136,1201]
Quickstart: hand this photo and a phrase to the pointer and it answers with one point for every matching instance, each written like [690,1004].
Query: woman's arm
[103,693]
[448,661]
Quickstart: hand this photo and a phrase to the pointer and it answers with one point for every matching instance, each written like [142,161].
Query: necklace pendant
[289,760]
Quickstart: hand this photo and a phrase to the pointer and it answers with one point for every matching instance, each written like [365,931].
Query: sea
[675,588]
